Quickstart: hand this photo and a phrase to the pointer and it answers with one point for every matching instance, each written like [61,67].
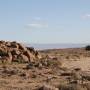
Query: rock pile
[16,52]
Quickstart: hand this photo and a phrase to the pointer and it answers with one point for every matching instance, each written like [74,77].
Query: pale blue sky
[45,21]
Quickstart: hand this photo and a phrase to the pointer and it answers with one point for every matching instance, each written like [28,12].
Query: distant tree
[87,48]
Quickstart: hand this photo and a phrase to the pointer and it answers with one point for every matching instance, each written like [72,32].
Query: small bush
[3,53]
[87,48]
[72,87]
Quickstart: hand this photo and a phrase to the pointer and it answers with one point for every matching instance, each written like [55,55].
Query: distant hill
[55,46]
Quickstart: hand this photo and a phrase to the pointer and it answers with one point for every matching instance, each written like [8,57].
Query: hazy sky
[45,21]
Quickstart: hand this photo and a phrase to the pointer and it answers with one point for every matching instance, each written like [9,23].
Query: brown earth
[56,69]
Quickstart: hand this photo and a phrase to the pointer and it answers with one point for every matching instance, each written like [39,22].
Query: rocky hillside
[16,52]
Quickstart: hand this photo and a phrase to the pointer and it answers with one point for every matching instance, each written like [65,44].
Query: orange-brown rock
[23,58]
[11,51]
[14,45]
[30,56]
[20,46]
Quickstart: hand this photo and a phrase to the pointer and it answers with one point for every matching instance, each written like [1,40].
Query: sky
[45,21]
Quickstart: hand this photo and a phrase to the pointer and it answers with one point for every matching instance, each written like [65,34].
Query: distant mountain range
[55,46]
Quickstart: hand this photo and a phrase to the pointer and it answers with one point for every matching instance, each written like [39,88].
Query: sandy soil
[83,63]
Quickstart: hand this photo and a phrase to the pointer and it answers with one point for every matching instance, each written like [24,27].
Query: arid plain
[24,68]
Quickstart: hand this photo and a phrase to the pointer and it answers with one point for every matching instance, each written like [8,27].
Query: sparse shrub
[29,66]
[22,74]
[3,53]
[87,48]
[71,87]
[54,63]
[66,74]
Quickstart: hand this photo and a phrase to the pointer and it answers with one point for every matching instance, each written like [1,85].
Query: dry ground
[16,77]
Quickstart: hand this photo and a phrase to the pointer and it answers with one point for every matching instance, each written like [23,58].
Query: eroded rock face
[13,51]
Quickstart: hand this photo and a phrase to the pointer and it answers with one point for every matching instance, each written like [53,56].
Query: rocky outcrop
[13,51]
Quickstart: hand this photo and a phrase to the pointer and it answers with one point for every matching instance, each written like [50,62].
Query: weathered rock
[23,58]
[15,52]
[11,51]
[21,47]
[30,56]
[2,42]
[31,49]
[14,58]
[8,44]
[14,45]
